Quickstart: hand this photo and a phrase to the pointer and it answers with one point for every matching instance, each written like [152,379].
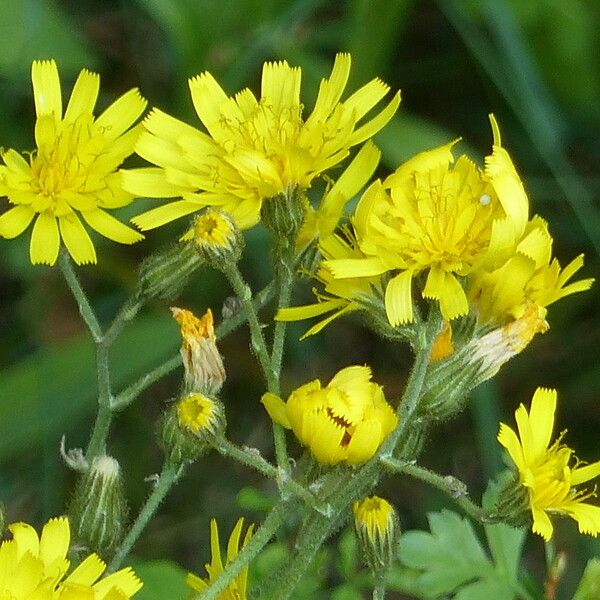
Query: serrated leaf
[452,560]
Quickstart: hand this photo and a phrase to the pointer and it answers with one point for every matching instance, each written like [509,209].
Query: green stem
[167,478]
[380,585]
[130,393]
[449,485]
[259,540]
[259,347]
[85,309]
[253,459]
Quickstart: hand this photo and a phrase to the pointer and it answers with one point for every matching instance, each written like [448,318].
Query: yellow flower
[341,295]
[236,590]
[435,216]
[204,370]
[35,567]
[346,421]
[72,173]
[529,277]
[255,148]
[544,468]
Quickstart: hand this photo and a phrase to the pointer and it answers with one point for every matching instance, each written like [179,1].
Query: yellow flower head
[204,370]
[375,516]
[346,421]
[529,277]
[340,296]
[35,567]
[199,414]
[544,468]
[73,172]
[440,216]
[212,229]
[254,149]
[236,590]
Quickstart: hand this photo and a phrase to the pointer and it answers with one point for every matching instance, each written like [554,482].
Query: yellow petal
[331,89]
[541,417]
[84,95]
[370,128]
[508,438]
[26,539]
[46,88]
[124,581]
[149,182]
[121,114]
[77,240]
[45,240]
[298,313]
[165,214]
[280,86]
[355,267]
[88,571]
[54,541]
[398,299]
[110,227]
[541,523]
[15,221]
[586,515]
[365,441]
[276,408]
[453,300]
[583,474]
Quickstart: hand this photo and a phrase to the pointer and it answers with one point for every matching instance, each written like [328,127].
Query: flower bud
[187,427]
[204,370]
[165,273]
[283,215]
[216,238]
[377,528]
[99,509]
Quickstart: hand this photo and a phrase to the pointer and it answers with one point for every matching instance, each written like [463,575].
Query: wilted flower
[73,171]
[346,421]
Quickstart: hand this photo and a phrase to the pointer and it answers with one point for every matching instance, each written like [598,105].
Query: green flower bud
[99,510]
[377,529]
[165,273]
[188,427]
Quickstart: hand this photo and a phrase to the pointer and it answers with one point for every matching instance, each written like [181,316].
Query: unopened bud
[188,427]
[204,370]
[216,238]
[165,273]
[99,510]
[377,528]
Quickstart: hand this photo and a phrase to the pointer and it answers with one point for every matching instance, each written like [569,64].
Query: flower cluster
[36,567]
[345,421]
[466,229]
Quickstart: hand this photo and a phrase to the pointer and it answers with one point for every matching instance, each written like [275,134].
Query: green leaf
[451,560]
[346,592]
[162,579]
[589,586]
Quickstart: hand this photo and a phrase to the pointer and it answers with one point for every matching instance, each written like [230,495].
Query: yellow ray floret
[345,421]
[236,589]
[253,148]
[545,471]
[36,567]
[72,174]
[439,216]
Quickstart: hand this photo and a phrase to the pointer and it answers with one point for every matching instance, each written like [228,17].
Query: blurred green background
[536,65]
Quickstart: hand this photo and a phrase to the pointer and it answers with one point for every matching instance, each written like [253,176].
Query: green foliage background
[535,64]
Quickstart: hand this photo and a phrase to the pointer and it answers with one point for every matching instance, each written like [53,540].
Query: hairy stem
[449,485]
[167,478]
[380,585]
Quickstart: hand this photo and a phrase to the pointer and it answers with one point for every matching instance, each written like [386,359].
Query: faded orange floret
[192,326]
[520,332]
[442,345]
